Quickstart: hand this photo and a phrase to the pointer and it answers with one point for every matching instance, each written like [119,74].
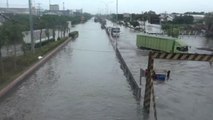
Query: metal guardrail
[134,85]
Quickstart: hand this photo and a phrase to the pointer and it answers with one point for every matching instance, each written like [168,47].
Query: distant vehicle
[96,20]
[103,26]
[108,30]
[165,44]
[115,32]
[103,22]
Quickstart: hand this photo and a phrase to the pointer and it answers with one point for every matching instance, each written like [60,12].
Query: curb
[31,69]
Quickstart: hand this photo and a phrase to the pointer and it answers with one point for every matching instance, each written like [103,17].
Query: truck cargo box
[165,44]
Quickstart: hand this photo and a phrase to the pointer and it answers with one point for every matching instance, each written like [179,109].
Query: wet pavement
[81,82]
[188,94]
[84,81]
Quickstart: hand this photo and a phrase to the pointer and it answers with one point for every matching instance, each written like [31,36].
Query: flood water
[81,82]
[188,94]
[84,81]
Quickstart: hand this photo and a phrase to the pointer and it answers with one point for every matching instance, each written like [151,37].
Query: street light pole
[7,4]
[116,44]
[116,10]
[31,27]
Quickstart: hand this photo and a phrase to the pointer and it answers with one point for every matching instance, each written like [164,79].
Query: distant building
[126,15]
[68,12]
[59,12]
[79,11]
[197,18]
[166,17]
[18,10]
[54,7]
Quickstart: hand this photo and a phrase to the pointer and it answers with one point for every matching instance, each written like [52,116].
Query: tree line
[11,30]
[180,23]
[209,24]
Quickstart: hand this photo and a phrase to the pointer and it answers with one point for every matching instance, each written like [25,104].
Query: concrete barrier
[134,85]
[31,69]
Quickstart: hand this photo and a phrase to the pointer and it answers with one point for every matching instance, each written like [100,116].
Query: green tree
[183,19]
[64,25]
[41,26]
[134,23]
[152,17]
[2,42]
[14,33]
[173,32]
[209,24]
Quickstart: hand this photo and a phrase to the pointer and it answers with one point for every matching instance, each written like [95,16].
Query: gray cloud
[136,6]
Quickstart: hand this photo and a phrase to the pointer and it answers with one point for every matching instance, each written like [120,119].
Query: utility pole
[116,44]
[49,4]
[31,27]
[116,10]
[7,4]
[39,9]
[63,6]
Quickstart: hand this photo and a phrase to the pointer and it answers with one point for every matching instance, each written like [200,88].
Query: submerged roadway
[84,81]
[81,82]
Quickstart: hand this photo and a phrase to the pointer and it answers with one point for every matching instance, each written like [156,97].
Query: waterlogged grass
[11,71]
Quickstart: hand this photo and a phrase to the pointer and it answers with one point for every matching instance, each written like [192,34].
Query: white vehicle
[115,32]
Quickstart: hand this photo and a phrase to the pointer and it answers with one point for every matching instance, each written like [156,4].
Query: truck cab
[180,47]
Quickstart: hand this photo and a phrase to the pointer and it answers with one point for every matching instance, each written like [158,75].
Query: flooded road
[81,82]
[84,81]
[188,94]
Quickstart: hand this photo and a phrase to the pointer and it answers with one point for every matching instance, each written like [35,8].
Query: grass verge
[13,66]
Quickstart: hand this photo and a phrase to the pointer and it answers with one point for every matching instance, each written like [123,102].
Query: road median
[22,75]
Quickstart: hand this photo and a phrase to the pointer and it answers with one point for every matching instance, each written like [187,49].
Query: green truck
[165,44]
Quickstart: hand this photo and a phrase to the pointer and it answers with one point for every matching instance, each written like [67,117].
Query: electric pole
[7,4]
[39,9]
[63,6]
[116,43]
[31,27]
[116,10]
[49,4]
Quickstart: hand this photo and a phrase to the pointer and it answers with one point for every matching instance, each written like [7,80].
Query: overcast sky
[125,6]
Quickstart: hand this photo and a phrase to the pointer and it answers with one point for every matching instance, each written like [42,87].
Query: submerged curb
[31,69]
